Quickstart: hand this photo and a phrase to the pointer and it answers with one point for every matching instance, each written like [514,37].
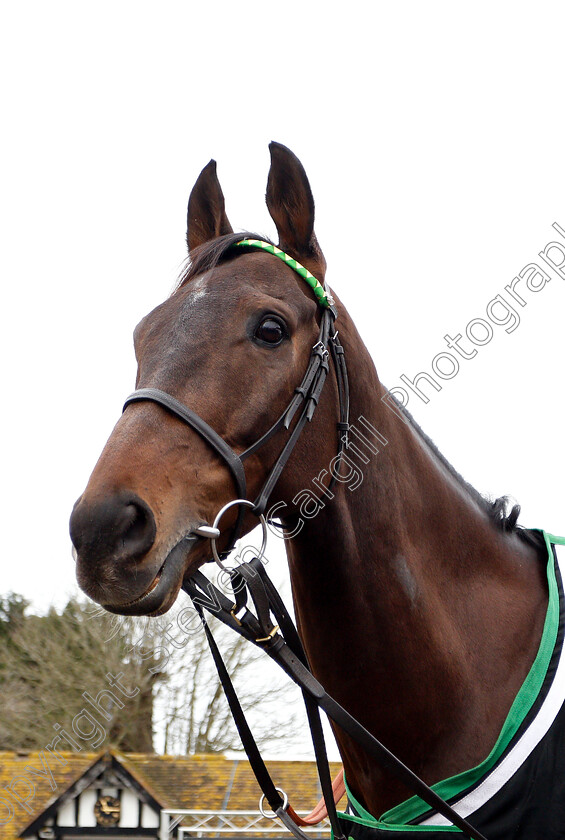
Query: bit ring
[219,515]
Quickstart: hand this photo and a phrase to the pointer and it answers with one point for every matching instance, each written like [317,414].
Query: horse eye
[270,331]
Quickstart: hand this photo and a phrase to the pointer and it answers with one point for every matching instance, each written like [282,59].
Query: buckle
[320,349]
[234,613]
[271,635]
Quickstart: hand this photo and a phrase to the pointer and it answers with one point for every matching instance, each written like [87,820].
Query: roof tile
[204,782]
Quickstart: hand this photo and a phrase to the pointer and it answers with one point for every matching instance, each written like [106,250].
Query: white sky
[432,135]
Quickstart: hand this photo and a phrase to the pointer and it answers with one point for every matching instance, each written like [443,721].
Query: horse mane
[502,513]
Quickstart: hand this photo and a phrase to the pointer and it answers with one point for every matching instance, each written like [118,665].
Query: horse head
[231,344]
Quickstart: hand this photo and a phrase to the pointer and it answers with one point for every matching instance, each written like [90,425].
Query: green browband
[323,297]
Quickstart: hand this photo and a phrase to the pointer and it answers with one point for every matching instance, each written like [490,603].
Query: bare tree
[55,666]
[191,712]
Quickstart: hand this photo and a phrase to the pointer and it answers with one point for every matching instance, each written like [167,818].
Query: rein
[282,643]
[280,640]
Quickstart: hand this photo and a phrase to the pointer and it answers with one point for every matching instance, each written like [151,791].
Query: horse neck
[400,587]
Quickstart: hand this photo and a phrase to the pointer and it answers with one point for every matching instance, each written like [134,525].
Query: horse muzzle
[162,592]
[116,567]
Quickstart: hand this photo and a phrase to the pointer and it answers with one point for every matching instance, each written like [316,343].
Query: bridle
[306,395]
[281,640]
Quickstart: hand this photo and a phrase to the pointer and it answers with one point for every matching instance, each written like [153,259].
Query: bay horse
[423,608]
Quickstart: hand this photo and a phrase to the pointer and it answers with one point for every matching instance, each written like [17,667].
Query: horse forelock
[214,252]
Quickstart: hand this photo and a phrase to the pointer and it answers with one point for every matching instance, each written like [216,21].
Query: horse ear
[206,216]
[291,205]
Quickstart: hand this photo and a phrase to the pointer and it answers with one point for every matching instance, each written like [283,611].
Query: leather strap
[294,663]
[265,598]
[199,425]
[320,812]
[210,436]
[307,395]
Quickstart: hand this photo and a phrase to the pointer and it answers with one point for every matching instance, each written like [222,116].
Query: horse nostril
[120,526]
[136,530]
